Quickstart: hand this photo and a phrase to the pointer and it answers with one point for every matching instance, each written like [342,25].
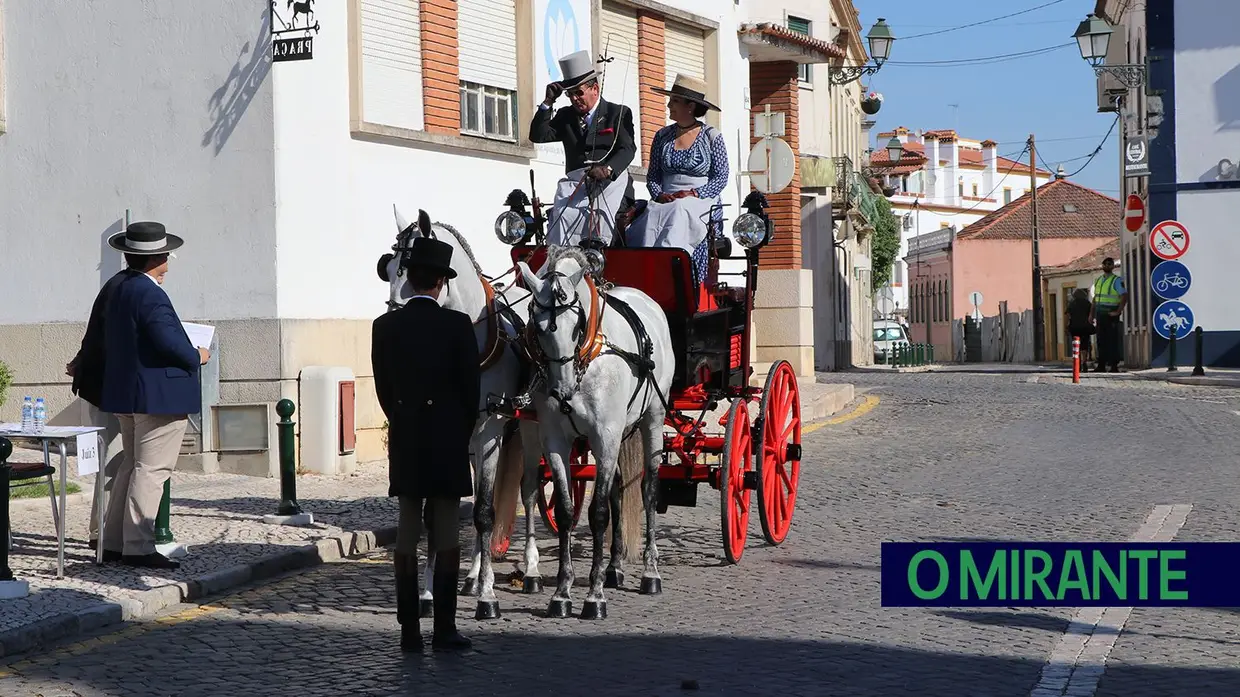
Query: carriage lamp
[593,250]
[752,228]
[510,227]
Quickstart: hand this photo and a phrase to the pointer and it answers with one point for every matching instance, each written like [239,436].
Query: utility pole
[1039,330]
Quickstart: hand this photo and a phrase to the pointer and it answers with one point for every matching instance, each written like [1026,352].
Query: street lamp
[879,38]
[1093,36]
[895,149]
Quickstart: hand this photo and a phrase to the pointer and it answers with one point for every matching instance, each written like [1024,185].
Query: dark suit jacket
[151,367]
[580,146]
[428,380]
[88,363]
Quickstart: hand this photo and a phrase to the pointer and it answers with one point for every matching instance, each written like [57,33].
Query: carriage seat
[663,273]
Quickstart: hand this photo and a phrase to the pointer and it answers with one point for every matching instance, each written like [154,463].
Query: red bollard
[1076,360]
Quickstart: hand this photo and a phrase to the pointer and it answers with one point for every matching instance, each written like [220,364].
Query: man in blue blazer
[150,382]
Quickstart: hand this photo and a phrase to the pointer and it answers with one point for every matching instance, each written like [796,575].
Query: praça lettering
[293,49]
[1031,575]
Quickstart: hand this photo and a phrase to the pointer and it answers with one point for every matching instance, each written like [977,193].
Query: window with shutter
[391,63]
[618,40]
[486,31]
[684,49]
[801,26]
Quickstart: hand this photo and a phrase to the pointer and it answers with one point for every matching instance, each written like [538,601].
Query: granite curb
[151,602]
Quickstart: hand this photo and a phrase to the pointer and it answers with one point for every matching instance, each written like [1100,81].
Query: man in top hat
[428,380]
[150,382]
[599,146]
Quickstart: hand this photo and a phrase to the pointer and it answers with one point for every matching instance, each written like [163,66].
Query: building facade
[943,181]
[282,176]
[1060,283]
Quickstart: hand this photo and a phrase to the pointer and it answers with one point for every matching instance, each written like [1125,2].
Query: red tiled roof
[783,33]
[1096,215]
[1091,261]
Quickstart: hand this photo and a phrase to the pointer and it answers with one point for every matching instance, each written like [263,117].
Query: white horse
[607,363]
[501,463]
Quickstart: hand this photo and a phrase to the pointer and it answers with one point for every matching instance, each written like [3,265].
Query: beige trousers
[116,455]
[152,445]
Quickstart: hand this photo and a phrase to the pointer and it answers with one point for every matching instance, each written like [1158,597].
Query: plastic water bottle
[40,415]
[27,415]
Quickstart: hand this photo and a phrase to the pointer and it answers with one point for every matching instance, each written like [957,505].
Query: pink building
[994,257]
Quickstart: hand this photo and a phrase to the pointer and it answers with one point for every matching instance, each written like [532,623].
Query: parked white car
[888,334]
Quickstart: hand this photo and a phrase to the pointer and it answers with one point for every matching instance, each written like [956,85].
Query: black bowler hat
[430,254]
[145,238]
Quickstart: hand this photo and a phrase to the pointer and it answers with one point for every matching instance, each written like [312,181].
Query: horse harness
[591,342]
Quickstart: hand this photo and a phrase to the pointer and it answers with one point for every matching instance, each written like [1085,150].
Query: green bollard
[289,512]
[919,354]
[6,449]
[930,360]
[163,527]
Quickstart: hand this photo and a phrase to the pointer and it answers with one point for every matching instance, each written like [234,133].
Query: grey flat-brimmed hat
[690,88]
[576,68]
[145,238]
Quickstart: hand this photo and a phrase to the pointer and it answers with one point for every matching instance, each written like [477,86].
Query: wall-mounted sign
[1137,157]
[1171,280]
[1169,240]
[292,39]
[1173,315]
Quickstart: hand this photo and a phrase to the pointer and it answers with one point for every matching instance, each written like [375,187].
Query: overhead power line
[982,60]
[1099,148]
[977,24]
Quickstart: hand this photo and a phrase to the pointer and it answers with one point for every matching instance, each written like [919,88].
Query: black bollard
[1198,366]
[6,449]
[1171,351]
[288,460]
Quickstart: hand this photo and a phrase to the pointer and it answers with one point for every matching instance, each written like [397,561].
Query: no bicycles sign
[1169,240]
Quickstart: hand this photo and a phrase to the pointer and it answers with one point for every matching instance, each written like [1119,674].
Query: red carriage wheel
[779,452]
[736,460]
[547,497]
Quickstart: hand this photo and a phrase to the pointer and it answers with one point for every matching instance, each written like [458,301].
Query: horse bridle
[560,303]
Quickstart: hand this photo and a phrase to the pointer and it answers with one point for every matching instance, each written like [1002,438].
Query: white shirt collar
[153,279]
[415,297]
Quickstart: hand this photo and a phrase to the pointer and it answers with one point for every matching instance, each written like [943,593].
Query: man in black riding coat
[597,135]
[428,380]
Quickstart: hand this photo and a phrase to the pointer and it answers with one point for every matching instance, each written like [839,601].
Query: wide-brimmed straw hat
[145,238]
[689,88]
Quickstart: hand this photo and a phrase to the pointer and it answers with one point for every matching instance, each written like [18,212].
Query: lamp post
[1093,36]
[879,38]
[895,149]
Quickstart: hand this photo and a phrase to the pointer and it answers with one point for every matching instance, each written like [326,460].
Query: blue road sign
[1170,280]
[1173,313]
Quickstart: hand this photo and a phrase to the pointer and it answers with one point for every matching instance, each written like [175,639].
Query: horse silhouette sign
[293,39]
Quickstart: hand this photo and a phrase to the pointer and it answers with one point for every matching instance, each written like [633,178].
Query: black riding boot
[407,602]
[447,567]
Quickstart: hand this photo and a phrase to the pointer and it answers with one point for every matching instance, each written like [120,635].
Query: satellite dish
[771,165]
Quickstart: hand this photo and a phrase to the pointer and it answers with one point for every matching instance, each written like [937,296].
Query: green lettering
[1014,558]
[1165,574]
[1038,577]
[969,577]
[944,576]
[1074,564]
[1119,584]
[1143,571]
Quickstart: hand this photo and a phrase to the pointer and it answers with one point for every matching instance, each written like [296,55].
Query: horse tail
[632,461]
[507,484]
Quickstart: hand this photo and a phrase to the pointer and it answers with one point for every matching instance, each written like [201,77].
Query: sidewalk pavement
[1214,377]
[219,518]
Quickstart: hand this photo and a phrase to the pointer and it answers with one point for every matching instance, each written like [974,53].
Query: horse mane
[469,253]
[557,254]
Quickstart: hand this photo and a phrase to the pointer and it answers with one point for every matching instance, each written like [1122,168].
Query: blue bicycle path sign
[1170,280]
[1173,313]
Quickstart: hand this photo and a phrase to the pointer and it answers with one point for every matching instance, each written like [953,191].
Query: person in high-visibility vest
[1110,298]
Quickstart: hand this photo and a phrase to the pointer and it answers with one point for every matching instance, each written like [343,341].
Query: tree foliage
[6,379]
[885,245]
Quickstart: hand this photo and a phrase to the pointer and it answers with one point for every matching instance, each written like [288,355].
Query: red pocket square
[605,131]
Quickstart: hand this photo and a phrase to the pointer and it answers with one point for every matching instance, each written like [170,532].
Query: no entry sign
[1169,240]
[1134,213]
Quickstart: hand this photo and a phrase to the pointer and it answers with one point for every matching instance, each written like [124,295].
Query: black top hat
[145,238]
[430,254]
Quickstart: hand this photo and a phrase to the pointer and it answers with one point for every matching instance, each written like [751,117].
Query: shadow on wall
[229,103]
[1227,102]
[110,260]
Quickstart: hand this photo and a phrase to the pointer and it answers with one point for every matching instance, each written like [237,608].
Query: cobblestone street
[938,456]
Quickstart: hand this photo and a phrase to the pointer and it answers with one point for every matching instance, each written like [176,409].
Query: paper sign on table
[87,454]
[200,335]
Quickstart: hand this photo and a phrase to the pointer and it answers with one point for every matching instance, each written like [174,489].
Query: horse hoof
[487,610]
[614,579]
[532,585]
[560,608]
[594,610]
[426,607]
[651,586]
[469,587]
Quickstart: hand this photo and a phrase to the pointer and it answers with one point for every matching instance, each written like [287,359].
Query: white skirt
[681,223]
[570,218]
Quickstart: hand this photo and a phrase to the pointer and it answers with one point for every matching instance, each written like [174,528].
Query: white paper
[200,335]
[87,454]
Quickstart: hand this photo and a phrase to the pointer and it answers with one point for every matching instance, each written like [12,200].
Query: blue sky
[1052,95]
